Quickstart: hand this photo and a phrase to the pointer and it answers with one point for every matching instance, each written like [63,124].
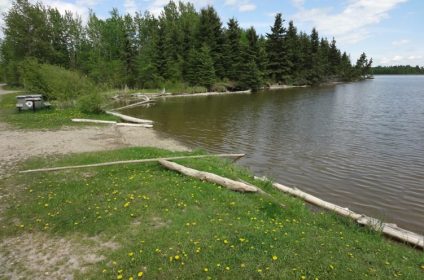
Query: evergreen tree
[233,57]
[200,67]
[334,58]
[278,65]
[210,33]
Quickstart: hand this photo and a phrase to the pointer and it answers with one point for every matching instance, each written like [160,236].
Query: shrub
[91,103]
[54,82]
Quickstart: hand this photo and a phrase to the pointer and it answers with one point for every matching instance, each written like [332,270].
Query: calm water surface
[359,145]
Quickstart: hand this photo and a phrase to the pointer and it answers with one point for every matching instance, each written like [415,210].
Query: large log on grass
[390,230]
[128,118]
[317,201]
[210,177]
[110,163]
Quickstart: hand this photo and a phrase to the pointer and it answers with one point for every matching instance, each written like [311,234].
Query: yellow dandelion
[131,278]
[259,270]
[227,268]
[127,204]
[242,265]
[205,269]
[119,277]
[274,258]
[130,254]
[225,241]
[177,257]
[140,274]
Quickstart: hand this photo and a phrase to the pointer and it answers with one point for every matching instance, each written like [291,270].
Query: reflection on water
[359,145]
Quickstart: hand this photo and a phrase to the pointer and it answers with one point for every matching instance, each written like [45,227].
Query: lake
[359,145]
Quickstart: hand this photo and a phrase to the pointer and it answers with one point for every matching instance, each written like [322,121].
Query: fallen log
[93,121]
[235,156]
[135,125]
[210,177]
[134,105]
[317,201]
[390,230]
[128,118]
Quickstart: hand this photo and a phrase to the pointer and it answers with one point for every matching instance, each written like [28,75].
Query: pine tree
[233,51]
[210,33]
[278,67]
[334,58]
[200,67]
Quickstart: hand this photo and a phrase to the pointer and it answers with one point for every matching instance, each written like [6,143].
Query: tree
[278,66]
[210,33]
[233,53]
[200,67]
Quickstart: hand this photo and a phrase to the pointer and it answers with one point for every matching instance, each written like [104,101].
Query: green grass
[42,119]
[172,226]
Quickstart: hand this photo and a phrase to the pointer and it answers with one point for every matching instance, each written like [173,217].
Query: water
[359,145]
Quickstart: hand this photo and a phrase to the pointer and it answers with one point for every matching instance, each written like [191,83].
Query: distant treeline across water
[398,69]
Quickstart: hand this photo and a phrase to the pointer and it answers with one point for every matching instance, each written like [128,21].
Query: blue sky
[390,31]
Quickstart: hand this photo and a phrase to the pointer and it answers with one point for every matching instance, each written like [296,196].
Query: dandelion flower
[119,277]
[227,268]
[225,241]
[140,274]
[274,258]
[205,269]
[130,254]
[177,257]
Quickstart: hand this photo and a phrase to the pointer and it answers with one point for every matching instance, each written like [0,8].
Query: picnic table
[31,102]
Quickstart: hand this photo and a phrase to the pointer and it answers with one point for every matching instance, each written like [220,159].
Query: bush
[54,82]
[91,103]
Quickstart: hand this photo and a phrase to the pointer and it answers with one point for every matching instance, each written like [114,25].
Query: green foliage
[200,67]
[146,51]
[91,103]
[398,70]
[54,82]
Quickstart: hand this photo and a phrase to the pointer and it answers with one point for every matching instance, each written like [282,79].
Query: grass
[172,226]
[54,118]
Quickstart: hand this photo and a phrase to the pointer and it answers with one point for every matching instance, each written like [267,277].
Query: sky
[389,31]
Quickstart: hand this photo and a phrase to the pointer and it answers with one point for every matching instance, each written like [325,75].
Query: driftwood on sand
[233,156]
[210,177]
[113,123]
[93,121]
[390,230]
[128,118]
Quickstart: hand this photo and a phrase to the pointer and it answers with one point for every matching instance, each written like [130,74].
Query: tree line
[181,45]
[398,70]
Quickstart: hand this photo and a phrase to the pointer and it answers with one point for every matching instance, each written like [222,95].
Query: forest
[398,70]
[182,47]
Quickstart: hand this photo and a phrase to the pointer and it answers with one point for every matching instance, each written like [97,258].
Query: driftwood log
[134,105]
[93,121]
[390,230]
[112,122]
[135,125]
[128,118]
[234,156]
[210,177]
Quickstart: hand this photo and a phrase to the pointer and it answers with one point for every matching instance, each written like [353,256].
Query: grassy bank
[164,225]
[53,118]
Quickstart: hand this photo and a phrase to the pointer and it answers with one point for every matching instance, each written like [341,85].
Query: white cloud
[242,5]
[400,59]
[130,7]
[400,42]
[247,7]
[352,24]
[298,3]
